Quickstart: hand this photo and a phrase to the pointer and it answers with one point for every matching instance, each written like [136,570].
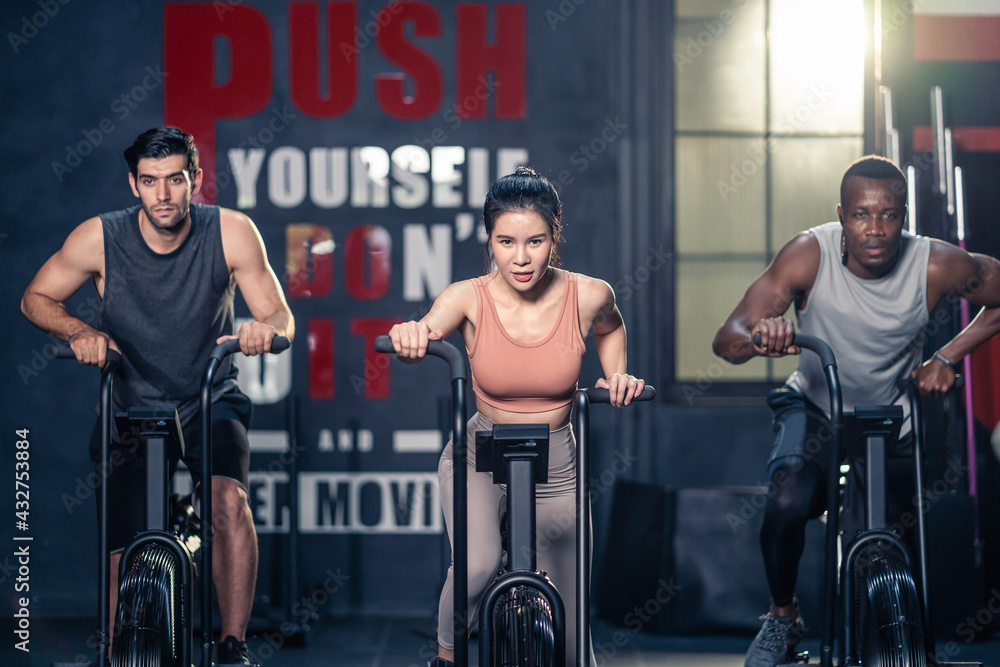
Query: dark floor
[409,642]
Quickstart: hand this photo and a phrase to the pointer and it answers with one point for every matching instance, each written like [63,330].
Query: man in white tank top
[867,288]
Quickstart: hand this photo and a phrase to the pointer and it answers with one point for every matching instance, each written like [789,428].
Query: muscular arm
[954,273]
[597,297]
[788,278]
[247,259]
[80,259]
[452,308]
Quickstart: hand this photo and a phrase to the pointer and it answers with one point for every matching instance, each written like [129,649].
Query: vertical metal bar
[970,425]
[937,138]
[960,210]
[832,516]
[916,428]
[890,147]
[582,530]
[207,530]
[292,551]
[461,532]
[156,483]
[874,135]
[949,172]
[876,475]
[521,514]
[911,199]
[103,557]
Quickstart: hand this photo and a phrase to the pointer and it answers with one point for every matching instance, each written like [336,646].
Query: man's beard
[174,226]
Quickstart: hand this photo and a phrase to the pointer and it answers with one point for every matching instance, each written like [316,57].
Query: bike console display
[141,423]
[513,442]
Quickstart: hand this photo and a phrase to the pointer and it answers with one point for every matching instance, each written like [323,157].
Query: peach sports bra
[526,377]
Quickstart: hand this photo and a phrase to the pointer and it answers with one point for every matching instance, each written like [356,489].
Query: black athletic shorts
[231,414]
[800,428]
[803,436]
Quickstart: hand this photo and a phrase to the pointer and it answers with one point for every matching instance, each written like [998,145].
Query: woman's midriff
[556,419]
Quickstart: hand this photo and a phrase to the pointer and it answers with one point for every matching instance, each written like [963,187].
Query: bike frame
[875,444]
[221,351]
[166,539]
[829,362]
[582,399]
[112,362]
[581,403]
[460,586]
[521,469]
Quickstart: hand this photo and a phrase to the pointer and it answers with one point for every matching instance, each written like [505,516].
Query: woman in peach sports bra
[524,326]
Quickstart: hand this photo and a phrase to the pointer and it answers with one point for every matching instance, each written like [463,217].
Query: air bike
[884,617]
[153,619]
[521,618]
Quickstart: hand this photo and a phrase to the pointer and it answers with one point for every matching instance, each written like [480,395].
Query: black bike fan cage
[509,583]
[582,405]
[103,557]
[167,543]
[878,540]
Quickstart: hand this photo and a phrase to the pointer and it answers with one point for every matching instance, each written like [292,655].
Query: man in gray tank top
[166,271]
[866,287]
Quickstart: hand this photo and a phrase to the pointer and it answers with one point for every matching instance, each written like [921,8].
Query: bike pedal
[799,659]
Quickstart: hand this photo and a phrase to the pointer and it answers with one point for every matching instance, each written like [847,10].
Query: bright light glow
[959,204]
[911,199]
[817,65]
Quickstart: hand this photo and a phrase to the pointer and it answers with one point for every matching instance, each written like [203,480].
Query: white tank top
[875,327]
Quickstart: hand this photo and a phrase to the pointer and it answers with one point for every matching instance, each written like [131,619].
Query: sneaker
[776,641]
[440,662]
[232,652]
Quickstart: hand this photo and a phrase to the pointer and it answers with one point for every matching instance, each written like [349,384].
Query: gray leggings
[555,531]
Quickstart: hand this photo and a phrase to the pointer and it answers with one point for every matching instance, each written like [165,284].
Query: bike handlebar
[807,342]
[906,383]
[225,348]
[113,358]
[601,395]
[62,350]
[456,362]
[435,348]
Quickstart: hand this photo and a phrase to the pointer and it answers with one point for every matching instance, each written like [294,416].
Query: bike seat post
[879,426]
[517,455]
[157,502]
[521,512]
[876,472]
[159,437]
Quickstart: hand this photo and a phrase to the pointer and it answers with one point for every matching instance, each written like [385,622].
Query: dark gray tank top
[875,327]
[165,311]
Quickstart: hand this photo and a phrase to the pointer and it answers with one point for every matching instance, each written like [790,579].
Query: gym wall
[361,138]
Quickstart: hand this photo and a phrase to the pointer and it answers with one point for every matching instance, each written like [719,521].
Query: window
[769,113]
